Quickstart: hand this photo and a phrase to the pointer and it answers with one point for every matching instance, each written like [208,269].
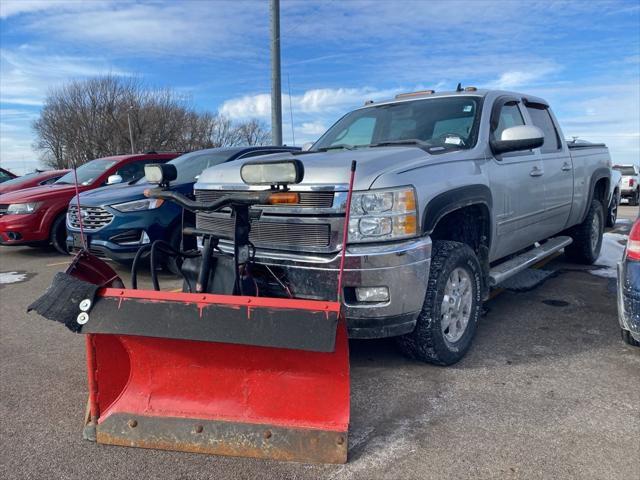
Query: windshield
[449,122]
[190,165]
[625,170]
[88,172]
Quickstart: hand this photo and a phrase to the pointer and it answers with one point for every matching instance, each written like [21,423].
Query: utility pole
[133,148]
[276,95]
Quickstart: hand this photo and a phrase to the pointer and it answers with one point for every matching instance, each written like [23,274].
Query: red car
[31,180]
[36,216]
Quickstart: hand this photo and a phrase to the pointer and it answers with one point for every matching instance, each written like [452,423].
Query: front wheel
[58,235]
[587,237]
[447,323]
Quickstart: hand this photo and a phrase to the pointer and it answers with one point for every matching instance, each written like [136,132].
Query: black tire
[169,263]
[628,339]
[612,214]
[428,342]
[635,199]
[58,235]
[583,250]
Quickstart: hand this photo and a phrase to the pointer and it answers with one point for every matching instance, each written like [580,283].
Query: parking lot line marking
[58,264]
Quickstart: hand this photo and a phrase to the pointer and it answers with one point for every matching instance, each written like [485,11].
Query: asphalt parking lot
[548,391]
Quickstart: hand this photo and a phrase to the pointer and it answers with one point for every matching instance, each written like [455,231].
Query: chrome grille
[307,199]
[269,234]
[93,218]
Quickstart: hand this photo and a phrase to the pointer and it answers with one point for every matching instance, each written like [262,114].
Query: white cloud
[312,128]
[26,76]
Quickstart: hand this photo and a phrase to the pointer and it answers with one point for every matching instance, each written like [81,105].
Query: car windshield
[190,165]
[446,122]
[625,170]
[88,172]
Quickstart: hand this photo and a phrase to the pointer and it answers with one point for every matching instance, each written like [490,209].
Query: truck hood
[327,168]
[40,193]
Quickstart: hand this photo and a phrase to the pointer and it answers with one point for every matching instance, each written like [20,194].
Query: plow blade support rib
[240,376]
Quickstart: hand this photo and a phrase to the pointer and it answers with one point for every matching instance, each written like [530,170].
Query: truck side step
[509,268]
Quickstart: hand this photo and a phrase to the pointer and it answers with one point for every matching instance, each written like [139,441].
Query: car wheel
[628,338]
[613,213]
[635,199]
[447,323]
[58,235]
[587,237]
[169,263]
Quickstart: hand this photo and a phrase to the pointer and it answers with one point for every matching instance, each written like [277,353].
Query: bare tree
[87,119]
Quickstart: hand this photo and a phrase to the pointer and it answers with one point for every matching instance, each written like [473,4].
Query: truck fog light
[145,238]
[372,294]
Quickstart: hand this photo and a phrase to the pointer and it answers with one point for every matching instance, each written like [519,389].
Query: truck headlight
[22,208]
[138,205]
[379,215]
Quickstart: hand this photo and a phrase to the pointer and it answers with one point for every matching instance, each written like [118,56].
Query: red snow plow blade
[219,374]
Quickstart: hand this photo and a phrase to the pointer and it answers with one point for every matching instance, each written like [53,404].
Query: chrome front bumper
[403,267]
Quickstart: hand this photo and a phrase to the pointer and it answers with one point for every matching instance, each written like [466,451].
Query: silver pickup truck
[454,192]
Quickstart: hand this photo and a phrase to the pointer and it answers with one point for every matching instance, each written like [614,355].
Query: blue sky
[582,56]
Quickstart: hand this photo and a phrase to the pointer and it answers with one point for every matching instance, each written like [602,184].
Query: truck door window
[542,119]
[510,116]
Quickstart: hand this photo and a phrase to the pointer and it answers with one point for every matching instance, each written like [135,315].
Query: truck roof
[466,92]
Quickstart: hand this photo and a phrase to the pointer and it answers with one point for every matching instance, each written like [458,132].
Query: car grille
[307,199]
[93,218]
[269,234]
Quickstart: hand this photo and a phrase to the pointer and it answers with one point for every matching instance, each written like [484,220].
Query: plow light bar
[278,172]
[160,173]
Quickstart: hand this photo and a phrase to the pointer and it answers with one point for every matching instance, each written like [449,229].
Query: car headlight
[22,208]
[139,205]
[379,215]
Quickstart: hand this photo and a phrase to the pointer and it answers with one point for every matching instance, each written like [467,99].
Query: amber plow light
[284,198]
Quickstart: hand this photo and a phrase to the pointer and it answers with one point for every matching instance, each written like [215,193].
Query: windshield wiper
[335,147]
[408,141]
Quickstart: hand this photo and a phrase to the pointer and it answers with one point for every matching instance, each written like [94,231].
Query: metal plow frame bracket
[270,379]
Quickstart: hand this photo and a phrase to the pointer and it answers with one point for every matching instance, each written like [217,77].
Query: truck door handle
[566,166]
[536,172]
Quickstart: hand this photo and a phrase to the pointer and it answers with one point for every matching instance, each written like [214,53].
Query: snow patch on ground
[12,277]
[611,253]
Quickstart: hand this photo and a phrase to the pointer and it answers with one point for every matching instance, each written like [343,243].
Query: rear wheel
[628,338]
[447,323]
[635,199]
[58,235]
[612,215]
[587,237]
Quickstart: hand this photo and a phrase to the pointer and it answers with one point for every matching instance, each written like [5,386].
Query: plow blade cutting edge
[218,374]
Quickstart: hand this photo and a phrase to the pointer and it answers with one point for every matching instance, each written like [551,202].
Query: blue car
[119,219]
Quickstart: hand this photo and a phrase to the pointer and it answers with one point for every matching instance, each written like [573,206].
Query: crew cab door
[558,170]
[517,180]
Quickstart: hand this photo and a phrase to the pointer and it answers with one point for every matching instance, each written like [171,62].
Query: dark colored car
[36,216]
[33,179]
[117,221]
[6,175]
[629,288]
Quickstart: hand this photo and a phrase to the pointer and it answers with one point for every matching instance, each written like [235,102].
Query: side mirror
[113,179]
[307,146]
[160,173]
[513,139]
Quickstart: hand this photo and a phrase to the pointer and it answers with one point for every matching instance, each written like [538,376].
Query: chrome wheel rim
[457,302]
[595,232]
